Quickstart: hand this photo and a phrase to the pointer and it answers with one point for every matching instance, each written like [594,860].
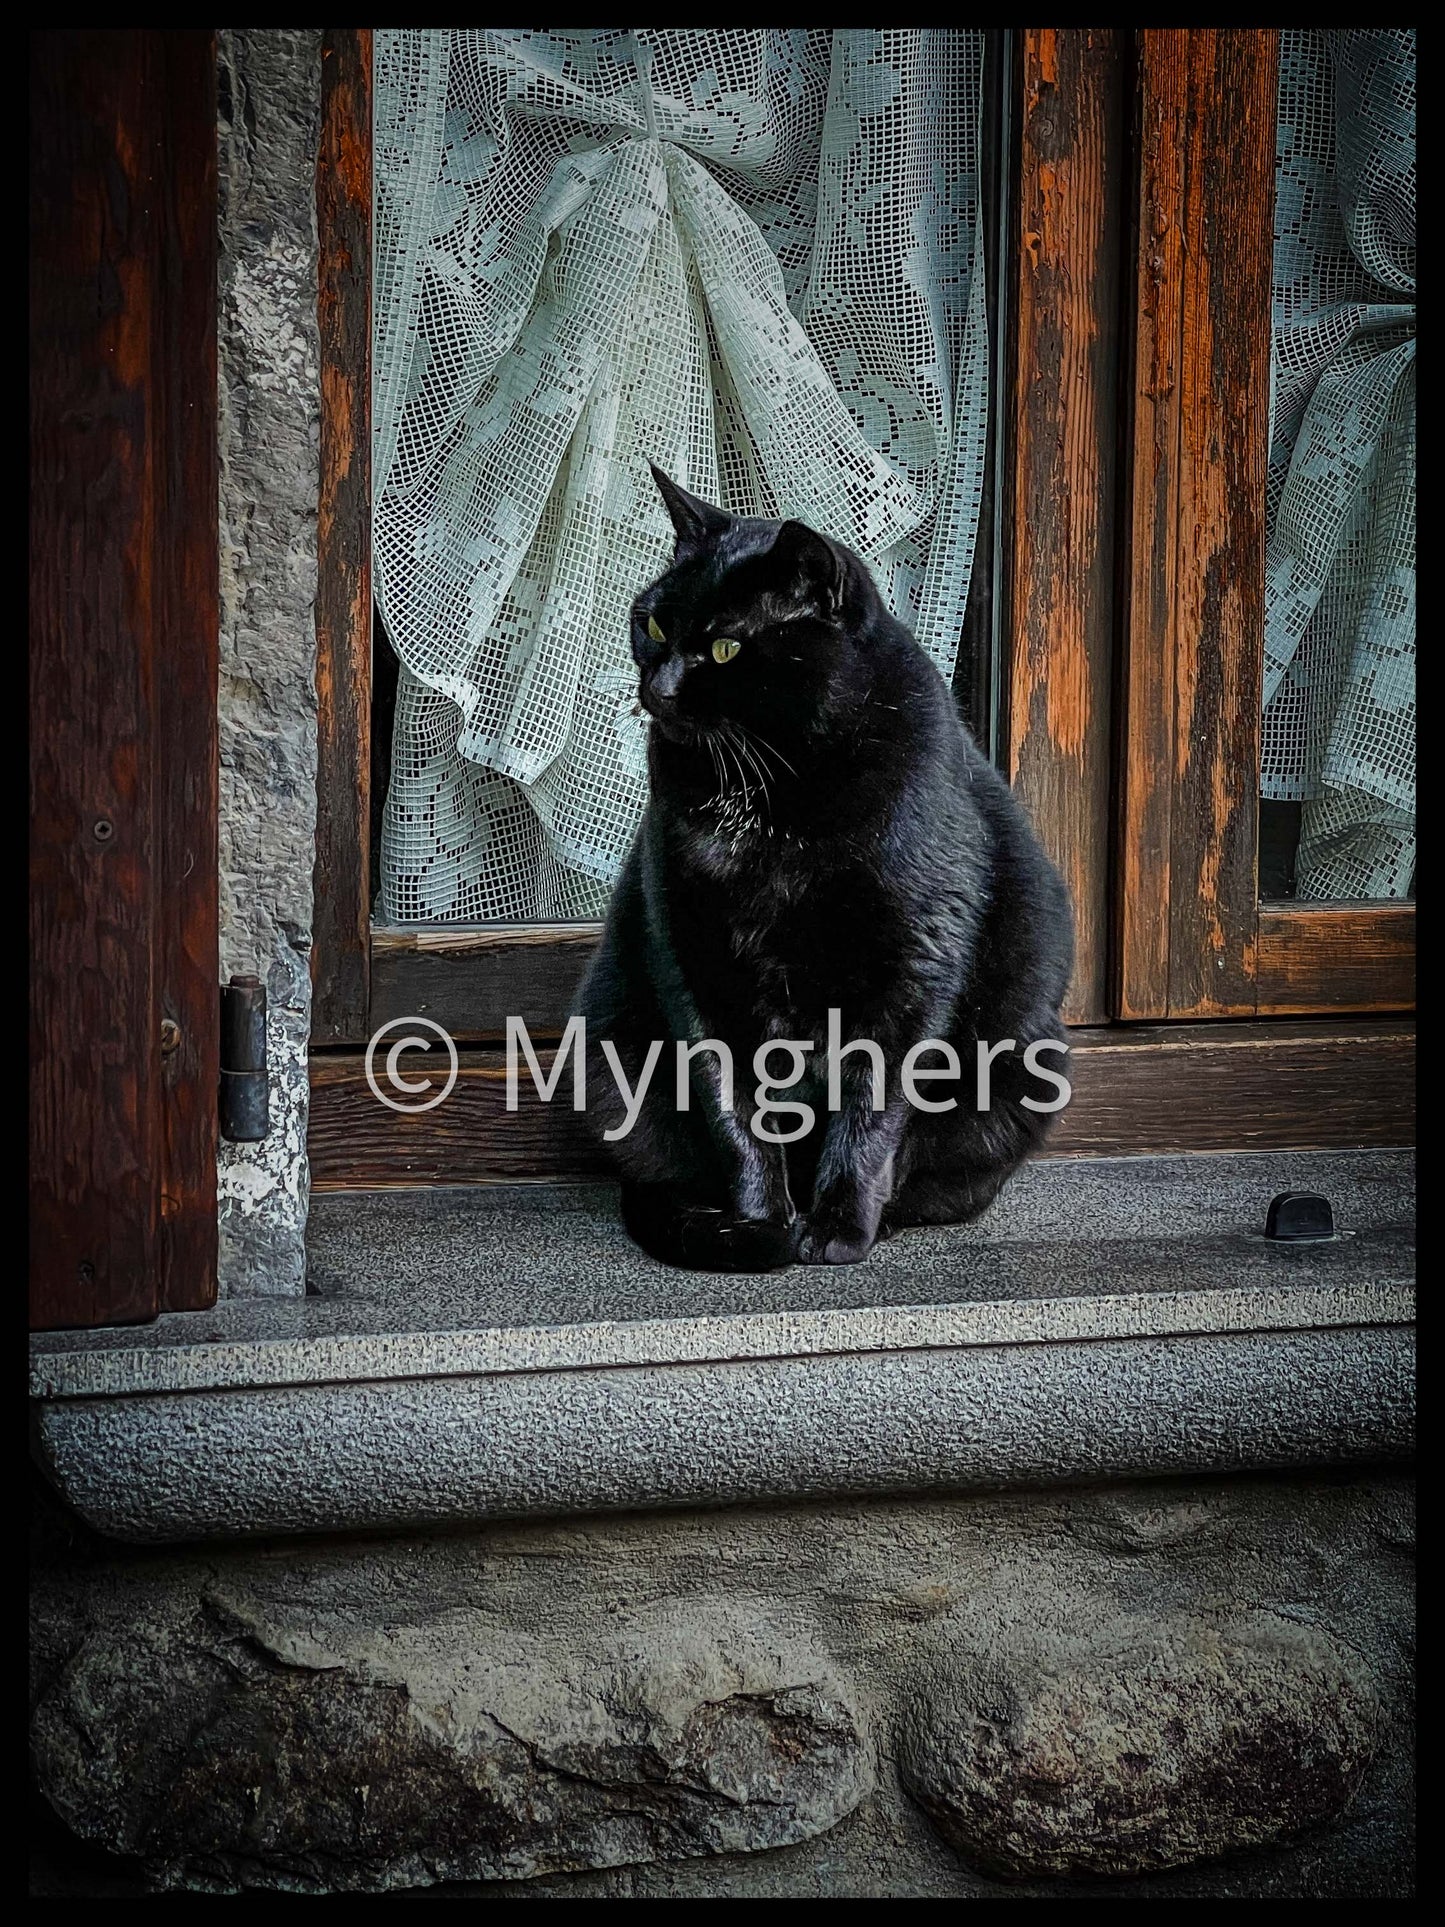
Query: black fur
[822,831]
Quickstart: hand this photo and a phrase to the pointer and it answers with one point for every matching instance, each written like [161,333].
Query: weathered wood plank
[123,652]
[187,751]
[340,957]
[1344,956]
[1229,139]
[1062,618]
[1219,1087]
[471,980]
[1151,520]
[1207,1087]
[470,1138]
[1194,623]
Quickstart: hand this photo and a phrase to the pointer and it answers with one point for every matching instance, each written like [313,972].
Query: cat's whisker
[761,773]
[772,747]
[743,775]
[742,743]
[705,738]
[719,772]
[751,744]
[729,749]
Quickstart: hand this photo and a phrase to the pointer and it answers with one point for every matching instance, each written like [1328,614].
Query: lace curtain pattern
[1339,691]
[751,255]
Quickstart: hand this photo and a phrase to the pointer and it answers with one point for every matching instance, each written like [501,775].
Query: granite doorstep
[492,1354]
[410,1453]
[434,1283]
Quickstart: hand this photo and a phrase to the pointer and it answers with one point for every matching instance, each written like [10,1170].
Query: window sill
[480,1354]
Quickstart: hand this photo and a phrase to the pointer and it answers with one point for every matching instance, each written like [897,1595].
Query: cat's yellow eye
[654,631]
[725,648]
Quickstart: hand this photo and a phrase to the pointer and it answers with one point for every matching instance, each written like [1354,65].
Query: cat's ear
[819,570]
[697,522]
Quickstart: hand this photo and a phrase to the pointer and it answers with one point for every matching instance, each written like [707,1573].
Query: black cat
[822,835]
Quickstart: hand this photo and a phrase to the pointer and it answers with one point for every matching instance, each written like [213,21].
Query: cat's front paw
[825,1244]
[715,1241]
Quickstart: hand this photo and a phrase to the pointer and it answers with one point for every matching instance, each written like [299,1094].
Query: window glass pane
[1338,776]
[755,256]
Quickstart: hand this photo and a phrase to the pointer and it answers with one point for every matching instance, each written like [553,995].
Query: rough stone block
[231,1754]
[1128,1750]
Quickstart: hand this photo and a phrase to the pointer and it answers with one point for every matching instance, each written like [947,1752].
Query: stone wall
[1184,1689]
[269,101]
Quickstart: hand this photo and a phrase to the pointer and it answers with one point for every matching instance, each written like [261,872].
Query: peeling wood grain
[1152,518]
[340,958]
[1198,448]
[1224,449]
[1062,578]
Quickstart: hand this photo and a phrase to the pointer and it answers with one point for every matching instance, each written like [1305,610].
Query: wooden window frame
[1195,940]
[341,918]
[1133,497]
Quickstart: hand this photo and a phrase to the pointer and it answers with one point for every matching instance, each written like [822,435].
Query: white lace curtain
[1339,716]
[751,255]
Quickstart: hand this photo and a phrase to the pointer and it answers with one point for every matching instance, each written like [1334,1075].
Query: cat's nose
[663,681]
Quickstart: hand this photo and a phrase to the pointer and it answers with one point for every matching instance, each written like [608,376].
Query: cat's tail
[678,1231]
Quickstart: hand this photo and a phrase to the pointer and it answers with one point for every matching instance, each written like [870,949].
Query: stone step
[470,1354]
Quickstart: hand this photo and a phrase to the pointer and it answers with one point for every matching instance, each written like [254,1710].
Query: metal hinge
[245,1085]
